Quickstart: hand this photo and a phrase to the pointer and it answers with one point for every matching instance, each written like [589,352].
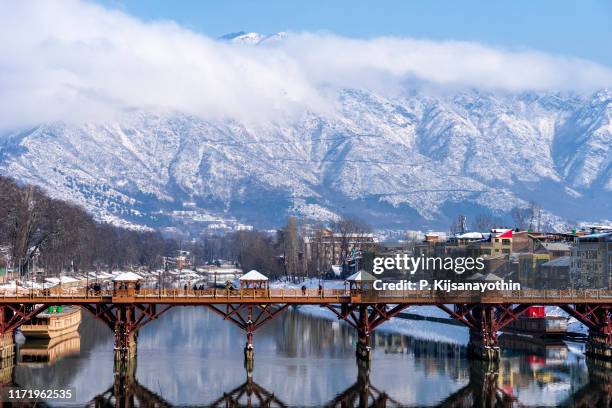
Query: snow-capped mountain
[413,161]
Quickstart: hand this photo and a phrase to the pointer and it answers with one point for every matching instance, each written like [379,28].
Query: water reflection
[192,357]
[248,394]
[127,392]
[46,351]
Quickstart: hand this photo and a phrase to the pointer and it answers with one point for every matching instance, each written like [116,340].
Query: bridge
[126,311]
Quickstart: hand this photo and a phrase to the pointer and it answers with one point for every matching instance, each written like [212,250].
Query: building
[328,248]
[554,249]
[591,265]
[183,260]
[554,274]
[527,266]
[501,240]
[219,274]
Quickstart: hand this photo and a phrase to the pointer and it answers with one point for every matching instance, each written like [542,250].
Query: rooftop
[127,277]
[253,275]
[561,261]
[361,276]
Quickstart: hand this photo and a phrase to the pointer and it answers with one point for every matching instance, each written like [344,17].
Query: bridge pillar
[249,350]
[598,318]
[599,344]
[125,333]
[7,346]
[7,358]
[364,340]
[483,344]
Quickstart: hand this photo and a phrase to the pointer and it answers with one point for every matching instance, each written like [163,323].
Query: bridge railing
[476,296]
[568,295]
[73,293]
[243,293]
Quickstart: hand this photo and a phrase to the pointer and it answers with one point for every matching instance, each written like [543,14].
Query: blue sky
[576,28]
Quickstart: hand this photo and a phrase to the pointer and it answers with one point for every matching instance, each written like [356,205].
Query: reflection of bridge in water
[484,314]
[488,384]
[126,392]
[482,390]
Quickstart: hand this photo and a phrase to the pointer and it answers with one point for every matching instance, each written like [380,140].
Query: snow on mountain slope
[584,148]
[415,161]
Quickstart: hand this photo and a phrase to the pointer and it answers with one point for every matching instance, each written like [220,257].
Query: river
[190,356]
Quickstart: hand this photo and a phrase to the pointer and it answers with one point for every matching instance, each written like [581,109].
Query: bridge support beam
[125,320]
[365,318]
[248,317]
[484,321]
[12,316]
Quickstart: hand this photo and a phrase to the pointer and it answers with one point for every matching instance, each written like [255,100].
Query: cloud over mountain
[77,61]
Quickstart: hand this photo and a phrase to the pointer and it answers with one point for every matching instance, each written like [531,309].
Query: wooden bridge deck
[310,296]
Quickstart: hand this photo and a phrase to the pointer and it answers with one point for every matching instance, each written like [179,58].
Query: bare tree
[527,217]
[350,233]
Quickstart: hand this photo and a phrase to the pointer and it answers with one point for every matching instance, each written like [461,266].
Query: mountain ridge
[408,162]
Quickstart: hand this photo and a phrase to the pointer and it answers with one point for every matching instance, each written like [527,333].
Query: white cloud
[66,60]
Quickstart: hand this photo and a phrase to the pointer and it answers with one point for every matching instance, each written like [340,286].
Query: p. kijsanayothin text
[446,285]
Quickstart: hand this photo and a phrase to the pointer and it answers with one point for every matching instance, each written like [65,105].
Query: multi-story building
[329,248]
[591,265]
[501,241]
[527,266]
[554,274]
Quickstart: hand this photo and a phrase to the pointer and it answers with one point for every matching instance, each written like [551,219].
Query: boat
[535,322]
[54,322]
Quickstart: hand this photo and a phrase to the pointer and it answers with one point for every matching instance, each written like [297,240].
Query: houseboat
[535,322]
[54,322]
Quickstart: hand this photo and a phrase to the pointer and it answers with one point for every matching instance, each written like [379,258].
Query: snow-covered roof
[127,277]
[597,235]
[253,275]
[361,276]
[557,246]
[561,261]
[62,279]
[491,277]
[470,235]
